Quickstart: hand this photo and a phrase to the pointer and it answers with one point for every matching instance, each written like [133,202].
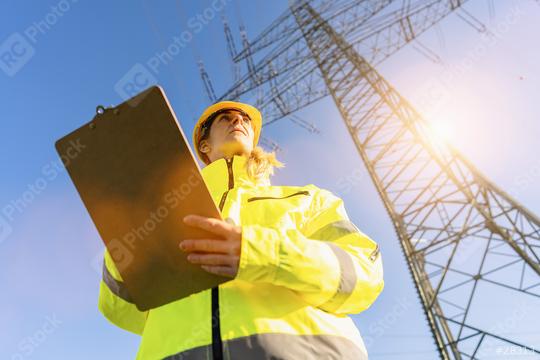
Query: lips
[241,130]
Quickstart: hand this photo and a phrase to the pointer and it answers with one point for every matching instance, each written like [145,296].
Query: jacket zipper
[305,192]
[217,346]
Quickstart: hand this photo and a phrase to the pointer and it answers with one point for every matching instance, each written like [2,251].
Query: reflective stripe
[116,287]
[335,230]
[347,278]
[338,229]
[280,346]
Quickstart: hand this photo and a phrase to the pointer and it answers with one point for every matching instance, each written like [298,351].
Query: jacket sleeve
[114,301]
[328,262]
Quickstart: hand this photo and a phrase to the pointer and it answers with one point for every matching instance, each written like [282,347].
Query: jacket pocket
[304,192]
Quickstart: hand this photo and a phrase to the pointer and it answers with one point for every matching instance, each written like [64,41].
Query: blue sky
[76,53]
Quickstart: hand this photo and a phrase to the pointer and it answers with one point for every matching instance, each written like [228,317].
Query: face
[231,133]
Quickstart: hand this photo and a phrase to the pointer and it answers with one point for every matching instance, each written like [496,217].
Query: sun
[441,128]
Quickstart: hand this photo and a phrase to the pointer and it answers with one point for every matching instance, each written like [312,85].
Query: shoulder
[321,198]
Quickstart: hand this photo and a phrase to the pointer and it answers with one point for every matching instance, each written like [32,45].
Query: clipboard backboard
[137,177]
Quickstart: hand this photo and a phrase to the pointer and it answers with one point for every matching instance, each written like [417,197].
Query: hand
[219,255]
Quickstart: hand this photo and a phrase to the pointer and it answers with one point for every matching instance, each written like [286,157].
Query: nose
[237,119]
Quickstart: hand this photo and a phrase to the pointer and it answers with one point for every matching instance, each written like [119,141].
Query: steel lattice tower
[458,231]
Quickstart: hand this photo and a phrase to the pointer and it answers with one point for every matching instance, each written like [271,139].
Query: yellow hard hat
[251,111]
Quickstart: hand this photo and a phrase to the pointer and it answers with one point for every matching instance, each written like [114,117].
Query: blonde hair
[260,164]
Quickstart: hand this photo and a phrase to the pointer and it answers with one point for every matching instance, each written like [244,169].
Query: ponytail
[260,164]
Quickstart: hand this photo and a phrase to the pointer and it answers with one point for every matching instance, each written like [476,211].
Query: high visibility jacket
[304,266]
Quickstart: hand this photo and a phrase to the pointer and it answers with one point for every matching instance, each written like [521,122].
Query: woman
[298,265]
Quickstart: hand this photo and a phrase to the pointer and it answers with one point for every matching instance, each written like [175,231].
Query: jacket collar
[218,178]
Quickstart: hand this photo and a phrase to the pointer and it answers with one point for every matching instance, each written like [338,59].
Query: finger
[216,226]
[220,270]
[211,259]
[205,245]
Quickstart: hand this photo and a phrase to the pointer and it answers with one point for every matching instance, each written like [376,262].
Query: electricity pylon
[465,240]
[375,28]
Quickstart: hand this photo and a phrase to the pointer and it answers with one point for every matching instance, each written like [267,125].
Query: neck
[229,149]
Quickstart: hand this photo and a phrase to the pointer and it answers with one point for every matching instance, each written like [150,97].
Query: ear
[204,147]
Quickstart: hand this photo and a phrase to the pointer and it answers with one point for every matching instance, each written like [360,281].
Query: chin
[234,146]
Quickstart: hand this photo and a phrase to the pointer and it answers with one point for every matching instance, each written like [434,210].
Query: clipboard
[137,177]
